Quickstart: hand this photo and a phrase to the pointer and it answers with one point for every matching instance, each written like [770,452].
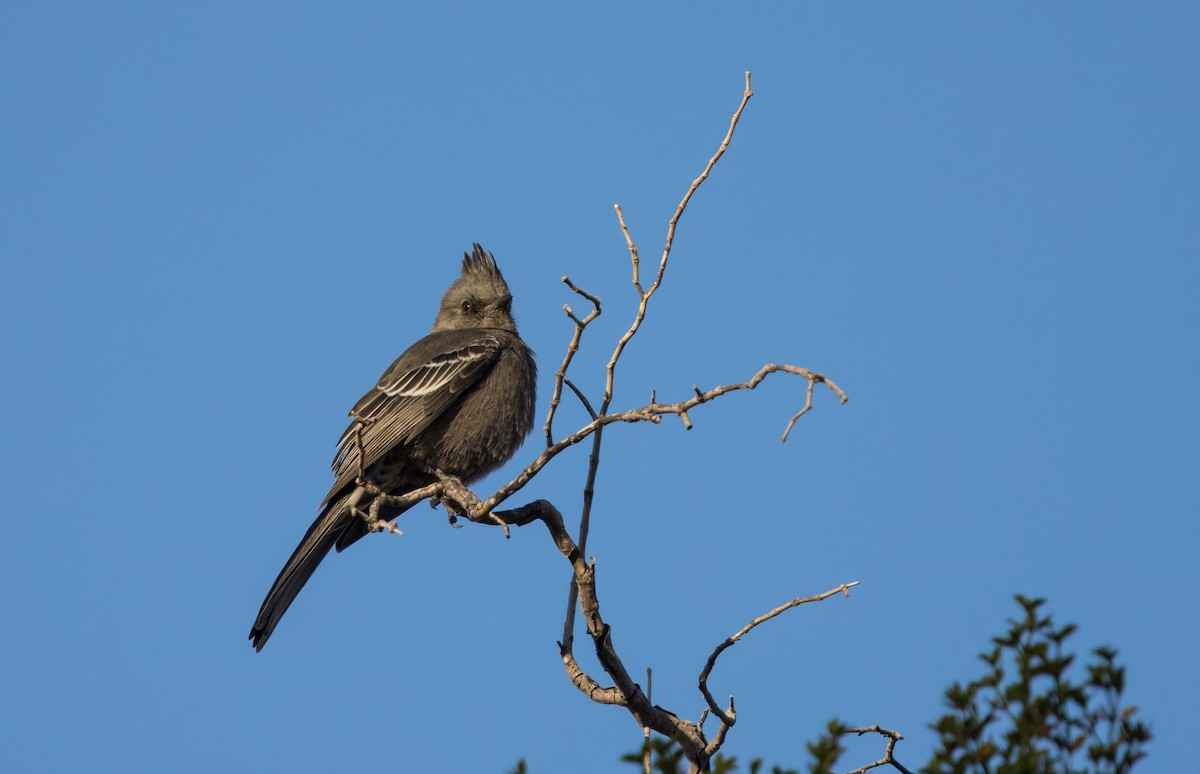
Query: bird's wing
[423,382]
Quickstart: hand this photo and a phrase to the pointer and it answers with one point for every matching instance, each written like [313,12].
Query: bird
[459,401]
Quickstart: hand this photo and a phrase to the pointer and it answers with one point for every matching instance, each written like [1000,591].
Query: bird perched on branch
[460,401]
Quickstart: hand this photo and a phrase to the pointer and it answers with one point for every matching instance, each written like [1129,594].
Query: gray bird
[460,400]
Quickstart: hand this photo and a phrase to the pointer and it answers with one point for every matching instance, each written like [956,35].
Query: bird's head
[477,299]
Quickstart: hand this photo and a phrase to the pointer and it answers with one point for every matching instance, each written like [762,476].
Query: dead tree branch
[461,502]
[573,347]
[888,759]
[651,412]
[644,295]
[728,716]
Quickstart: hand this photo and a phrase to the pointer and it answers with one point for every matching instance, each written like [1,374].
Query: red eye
[466,306]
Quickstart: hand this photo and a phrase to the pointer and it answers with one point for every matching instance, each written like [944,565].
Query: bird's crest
[480,262]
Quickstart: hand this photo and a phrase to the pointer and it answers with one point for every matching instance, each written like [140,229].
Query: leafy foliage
[827,749]
[1026,714]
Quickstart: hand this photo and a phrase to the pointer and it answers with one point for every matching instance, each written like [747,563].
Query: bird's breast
[488,425]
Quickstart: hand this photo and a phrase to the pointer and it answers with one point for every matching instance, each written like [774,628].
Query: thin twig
[644,295]
[587,404]
[597,421]
[459,500]
[889,757]
[728,716]
[572,348]
[651,412]
[746,95]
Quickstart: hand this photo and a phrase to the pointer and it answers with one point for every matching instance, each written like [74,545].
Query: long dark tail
[332,526]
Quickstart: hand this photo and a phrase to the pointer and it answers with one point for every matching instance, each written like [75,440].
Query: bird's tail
[336,519]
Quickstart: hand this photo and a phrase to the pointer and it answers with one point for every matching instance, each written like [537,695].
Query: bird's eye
[466,306]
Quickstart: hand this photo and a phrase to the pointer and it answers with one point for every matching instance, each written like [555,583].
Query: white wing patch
[440,373]
[404,403]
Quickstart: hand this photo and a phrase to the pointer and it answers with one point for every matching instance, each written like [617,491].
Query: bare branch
[585,520]
[598,422]
[460,501]
[644,295]
[662,267]
[769,368]
[572,348]
[634,258]
[624,691]
[729,717]
[587,404]
[888,758]
[585,683]
[651,412]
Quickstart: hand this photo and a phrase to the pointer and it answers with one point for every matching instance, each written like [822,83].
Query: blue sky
[221,222]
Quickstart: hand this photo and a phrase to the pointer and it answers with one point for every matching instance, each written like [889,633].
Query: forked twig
[889,758]
[460,501]
[644,295]
[651,412]
[572,348]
